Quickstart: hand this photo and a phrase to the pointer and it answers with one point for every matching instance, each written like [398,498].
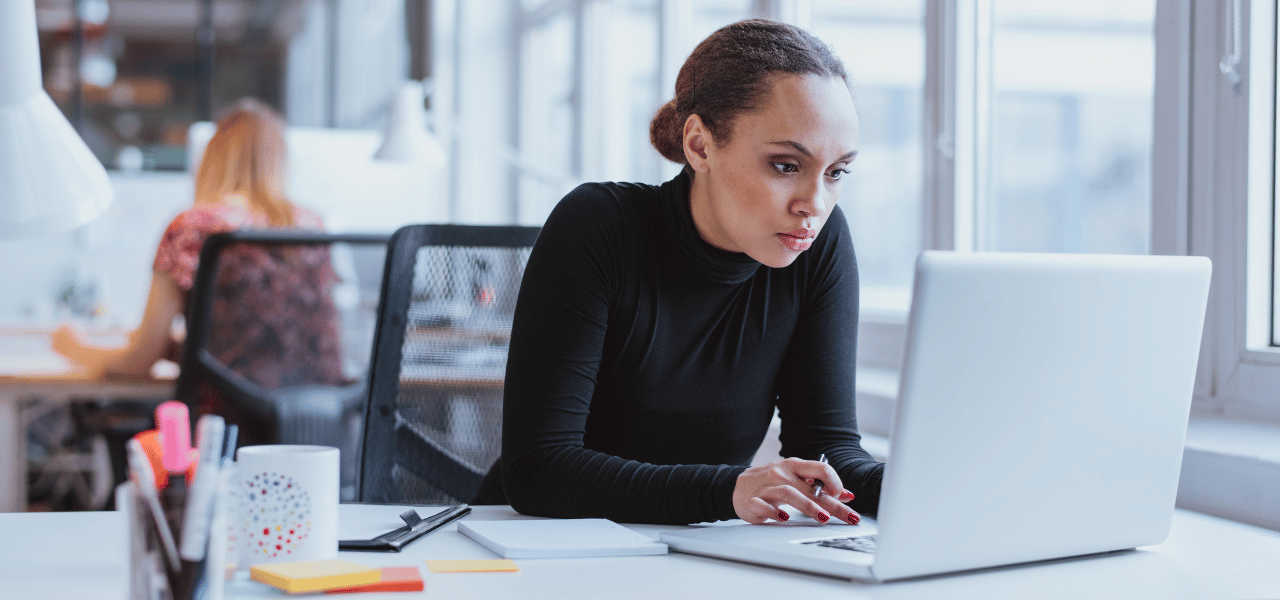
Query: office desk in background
[82,555]
[34,379]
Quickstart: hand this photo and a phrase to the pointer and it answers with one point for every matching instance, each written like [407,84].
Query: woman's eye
[837,174]
[786,167]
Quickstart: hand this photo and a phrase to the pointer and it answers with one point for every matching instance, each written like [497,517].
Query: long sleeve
[552,373]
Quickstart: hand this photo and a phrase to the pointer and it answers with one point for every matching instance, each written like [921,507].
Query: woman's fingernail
[854,519]
[846,496]
[823,517]
[783,516]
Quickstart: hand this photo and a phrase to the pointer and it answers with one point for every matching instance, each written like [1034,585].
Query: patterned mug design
[276,512]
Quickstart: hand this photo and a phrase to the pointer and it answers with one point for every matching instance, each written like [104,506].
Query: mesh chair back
[434,425]
[280,334]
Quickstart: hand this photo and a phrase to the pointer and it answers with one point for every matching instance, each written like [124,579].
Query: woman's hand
[761,491]
[66,341]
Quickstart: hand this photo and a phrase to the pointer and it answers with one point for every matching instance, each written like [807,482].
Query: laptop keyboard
[861,543]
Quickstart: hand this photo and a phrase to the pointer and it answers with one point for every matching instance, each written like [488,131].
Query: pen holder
[148,578]
[157,572]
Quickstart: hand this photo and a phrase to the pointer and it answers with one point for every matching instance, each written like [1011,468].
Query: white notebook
[560,538]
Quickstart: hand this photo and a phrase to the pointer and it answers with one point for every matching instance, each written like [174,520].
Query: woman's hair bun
[666,133]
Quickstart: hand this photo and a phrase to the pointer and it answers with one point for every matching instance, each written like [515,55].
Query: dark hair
[730,72]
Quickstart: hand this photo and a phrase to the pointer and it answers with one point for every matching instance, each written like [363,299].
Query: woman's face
[768,192]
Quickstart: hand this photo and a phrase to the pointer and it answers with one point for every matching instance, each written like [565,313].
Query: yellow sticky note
[472,566]
[314,575]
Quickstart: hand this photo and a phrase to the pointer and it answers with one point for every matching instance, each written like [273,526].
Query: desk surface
[27,358]
[81,555]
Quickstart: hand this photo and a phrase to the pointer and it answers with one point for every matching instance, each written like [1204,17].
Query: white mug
[288,503]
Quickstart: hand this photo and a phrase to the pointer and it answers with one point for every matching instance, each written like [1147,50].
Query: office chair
[279,335]
[434,422]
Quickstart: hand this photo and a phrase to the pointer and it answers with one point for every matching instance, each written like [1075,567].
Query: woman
[657,328]
[240,184]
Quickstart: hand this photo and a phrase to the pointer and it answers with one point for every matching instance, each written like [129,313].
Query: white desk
[34,377]
[81,555]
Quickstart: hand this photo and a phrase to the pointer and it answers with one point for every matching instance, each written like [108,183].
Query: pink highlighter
[174,422]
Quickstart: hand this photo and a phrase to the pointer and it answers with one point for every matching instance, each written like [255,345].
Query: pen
[198,516]
[817,483]
[199,509]
[229,444]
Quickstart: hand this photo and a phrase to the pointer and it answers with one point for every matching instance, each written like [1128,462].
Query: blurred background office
[528,98]
[1100,126]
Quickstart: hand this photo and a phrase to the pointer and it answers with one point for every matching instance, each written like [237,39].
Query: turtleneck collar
[701,258]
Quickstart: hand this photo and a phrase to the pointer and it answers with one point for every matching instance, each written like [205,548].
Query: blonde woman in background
[240,184]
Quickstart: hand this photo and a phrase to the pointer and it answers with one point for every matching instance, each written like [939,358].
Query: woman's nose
[811,201]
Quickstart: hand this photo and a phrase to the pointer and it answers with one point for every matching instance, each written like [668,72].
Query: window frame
[956,67]
[1230,201]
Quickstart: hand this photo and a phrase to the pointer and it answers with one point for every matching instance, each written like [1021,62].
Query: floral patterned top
[179,251]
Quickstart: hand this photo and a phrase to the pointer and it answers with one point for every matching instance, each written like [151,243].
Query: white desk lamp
[407,138]
[49,179]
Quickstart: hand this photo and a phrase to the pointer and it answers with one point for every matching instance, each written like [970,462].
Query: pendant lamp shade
[49,179]
[406,138]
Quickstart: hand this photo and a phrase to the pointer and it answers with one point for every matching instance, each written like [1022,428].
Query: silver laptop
[1041,414]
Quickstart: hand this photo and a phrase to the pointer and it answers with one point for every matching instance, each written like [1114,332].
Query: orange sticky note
[394,579]
[472,566]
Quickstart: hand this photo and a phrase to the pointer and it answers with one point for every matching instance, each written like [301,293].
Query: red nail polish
[823,517]
[853,519]
[783,516]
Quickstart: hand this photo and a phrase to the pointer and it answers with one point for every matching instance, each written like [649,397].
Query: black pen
[817,483]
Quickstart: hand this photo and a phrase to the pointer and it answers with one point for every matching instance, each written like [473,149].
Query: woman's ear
[696,140]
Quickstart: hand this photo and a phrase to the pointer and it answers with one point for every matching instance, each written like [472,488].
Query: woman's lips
[798,240]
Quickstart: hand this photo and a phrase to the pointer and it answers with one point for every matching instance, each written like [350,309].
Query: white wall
[114,252]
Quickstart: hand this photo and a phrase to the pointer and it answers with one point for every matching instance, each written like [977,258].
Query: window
[591,76]
[1033,137]
[1040,138]
[1069,127]
[882,46]
[548,115]
[1001,125]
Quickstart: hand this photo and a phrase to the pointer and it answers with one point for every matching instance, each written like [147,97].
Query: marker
[173,421]
[150,440]
[817,483]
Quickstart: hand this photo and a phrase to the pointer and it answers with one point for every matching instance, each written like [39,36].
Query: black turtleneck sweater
[645,364]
